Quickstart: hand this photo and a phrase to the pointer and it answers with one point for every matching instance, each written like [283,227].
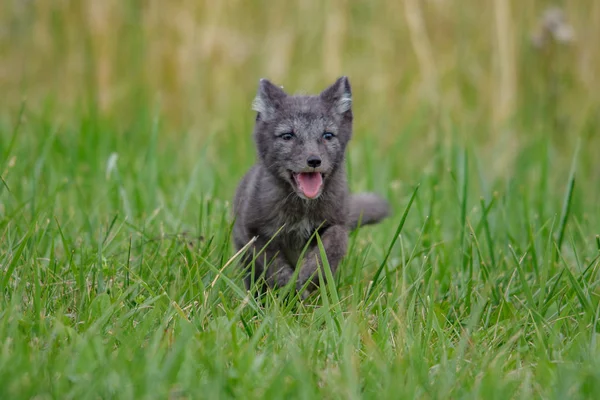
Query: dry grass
[467,59]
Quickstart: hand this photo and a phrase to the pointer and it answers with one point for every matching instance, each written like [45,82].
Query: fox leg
[268,261]
[335,243]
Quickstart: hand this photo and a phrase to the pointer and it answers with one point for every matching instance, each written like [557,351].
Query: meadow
[125,127]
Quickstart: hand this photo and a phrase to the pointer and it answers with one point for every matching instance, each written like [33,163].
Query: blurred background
[125,126]
[502,75]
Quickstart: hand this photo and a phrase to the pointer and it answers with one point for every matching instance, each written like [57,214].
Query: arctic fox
[298,186]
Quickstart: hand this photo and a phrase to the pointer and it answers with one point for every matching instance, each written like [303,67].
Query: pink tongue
[309,183]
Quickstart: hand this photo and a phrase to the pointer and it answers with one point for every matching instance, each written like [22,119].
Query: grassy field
[125,127]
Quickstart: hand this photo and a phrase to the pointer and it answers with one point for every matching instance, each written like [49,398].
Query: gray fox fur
[298,186]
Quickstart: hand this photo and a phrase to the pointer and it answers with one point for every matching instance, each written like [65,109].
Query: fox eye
[287,136]
[328,135]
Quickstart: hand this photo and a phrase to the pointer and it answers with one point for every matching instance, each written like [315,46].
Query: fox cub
[298,186]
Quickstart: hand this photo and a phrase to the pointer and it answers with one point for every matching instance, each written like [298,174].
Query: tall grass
[125,127]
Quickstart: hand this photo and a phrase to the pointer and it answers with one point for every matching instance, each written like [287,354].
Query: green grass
[117,274]
[465,292]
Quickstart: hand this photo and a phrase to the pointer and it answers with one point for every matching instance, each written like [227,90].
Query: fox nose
[313,161]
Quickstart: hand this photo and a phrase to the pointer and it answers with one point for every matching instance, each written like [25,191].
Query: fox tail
[366,209]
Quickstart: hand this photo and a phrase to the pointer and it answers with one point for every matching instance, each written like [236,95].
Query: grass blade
[14,260]
[566,208]
[375,279]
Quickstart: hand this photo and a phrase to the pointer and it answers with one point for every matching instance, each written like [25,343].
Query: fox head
[301,140]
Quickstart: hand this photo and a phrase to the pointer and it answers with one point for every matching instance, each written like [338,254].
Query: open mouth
[309,183]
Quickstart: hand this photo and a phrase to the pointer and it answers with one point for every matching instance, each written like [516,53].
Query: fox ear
[268,99]
[339,95]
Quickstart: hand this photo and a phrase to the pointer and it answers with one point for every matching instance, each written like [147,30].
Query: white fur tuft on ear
[267,99]
[339,95]
[259,105]
[344,103]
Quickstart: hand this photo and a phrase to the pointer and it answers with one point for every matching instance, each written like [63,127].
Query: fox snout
[313,161]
